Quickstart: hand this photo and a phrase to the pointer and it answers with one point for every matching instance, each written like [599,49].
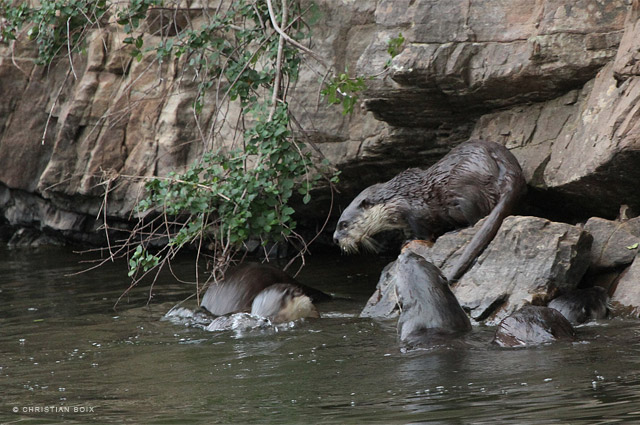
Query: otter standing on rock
[476,179]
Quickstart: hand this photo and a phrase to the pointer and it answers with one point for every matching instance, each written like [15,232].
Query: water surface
[67,355]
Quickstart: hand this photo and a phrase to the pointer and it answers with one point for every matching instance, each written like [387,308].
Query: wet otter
[283,302]
[275,304]
[415,291]
[533,325]
[475,179]
[583,304]
[262,290]
[428,308]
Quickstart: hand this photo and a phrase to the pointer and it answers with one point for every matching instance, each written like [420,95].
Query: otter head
[283,302]
[367,215]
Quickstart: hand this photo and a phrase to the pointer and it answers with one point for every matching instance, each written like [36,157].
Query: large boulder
[383,303]
[528,262]
[465,57]
[583,146]
[615,243]
[626,296]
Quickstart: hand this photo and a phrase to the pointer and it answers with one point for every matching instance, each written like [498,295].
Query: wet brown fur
[476,179]
[236,293]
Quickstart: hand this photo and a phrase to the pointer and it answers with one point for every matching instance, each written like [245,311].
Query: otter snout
[341,238]
[341,231]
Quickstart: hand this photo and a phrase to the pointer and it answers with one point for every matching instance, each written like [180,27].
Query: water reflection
[63,344]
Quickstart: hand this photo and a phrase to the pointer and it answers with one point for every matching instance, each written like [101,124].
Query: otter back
[243,283]
[476,179]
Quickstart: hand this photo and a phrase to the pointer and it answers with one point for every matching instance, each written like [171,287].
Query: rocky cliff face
[552,80]
[556,81]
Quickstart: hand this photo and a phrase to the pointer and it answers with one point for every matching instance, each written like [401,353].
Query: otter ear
[365,204]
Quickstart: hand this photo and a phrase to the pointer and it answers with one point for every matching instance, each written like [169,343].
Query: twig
[173,179]
[13,58]
[46,126]
[324,77]
[291,41]
[103,210]
[69,50]
[276,84]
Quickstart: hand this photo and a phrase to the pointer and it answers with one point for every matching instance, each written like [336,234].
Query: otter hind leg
[473,202]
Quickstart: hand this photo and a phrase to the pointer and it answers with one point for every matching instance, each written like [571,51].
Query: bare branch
[69,50]
[291,41]
[276,83]
[53,105]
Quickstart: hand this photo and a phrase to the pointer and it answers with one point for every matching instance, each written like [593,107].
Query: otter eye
[343,225]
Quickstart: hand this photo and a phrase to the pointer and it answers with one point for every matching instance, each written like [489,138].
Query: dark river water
[67,356]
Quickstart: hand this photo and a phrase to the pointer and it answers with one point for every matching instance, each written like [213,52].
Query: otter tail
[516,187]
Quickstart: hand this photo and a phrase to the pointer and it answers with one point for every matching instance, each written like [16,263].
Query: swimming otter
[283,302]
[582,304]
[260,287]
[533,325]
[428,308]
[477,178]
[275,304]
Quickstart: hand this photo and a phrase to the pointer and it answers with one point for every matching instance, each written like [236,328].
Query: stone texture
[463,57]
[626,296]
[580,149]
[383,303]
[615,243]
[529,260]
[556,81]
[627,62]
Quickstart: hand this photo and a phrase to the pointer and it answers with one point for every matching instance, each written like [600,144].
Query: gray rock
[627,62]
[384,301]
[580,150]
[527,262]
[462,56]
[626,297]
[615,243]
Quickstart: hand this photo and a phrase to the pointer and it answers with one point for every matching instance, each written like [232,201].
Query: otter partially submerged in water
[581,305]
[533,325]
[476,179]
[283,302]
[428,309]
[263,291]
